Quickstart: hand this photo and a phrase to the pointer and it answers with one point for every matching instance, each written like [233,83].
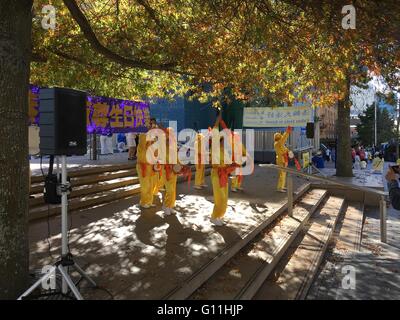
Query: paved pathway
[376,267]
[143,255]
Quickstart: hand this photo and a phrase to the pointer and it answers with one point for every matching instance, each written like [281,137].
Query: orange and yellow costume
[281,155]
[237,179]
[219,179]
[169,177]
[145,173]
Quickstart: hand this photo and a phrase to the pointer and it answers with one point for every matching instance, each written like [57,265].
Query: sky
[362,98]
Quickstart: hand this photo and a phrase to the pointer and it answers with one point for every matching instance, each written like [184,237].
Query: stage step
[98,187]
[89,179]
[91,186]
[294,275]
[188,288]
[85,201]
[350,236]
[243,275]
[85,171]
[89,189]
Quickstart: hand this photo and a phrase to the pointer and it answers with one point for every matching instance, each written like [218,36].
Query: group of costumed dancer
[163,177]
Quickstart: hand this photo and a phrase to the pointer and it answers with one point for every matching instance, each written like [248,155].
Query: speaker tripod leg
[84,275]
[70,283]
[37,284]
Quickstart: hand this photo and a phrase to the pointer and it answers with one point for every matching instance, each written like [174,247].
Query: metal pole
[383,213]
[309,169]
[290,194]
[68,281]
[94,147]
[58,166]
[64,218]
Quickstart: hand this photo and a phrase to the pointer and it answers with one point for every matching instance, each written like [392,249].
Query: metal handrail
[325,179]
[382,194]
[304,148]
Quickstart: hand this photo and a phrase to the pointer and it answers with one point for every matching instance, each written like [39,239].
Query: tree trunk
[344,165]
[15,51]
[397,128]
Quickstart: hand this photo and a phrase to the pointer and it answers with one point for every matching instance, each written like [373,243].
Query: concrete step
[89,179]
[78,172]
[243,275]
[374,265]
[85,202]
[350,235]
[296,271]
[89,189]
[205,272]
[89,195]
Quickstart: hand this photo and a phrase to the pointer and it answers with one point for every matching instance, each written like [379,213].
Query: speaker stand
[309,167]
[66,261]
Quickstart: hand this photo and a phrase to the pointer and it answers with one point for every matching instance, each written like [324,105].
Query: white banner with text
[277,117]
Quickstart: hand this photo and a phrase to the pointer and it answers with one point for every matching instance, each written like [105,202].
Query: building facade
[186,112]
[327,117]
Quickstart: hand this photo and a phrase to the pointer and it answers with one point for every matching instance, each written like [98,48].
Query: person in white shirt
[357,162]
[106,144]
[328,154]
[131,142]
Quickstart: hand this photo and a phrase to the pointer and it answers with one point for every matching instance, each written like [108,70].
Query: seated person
[377,163]
[363,164]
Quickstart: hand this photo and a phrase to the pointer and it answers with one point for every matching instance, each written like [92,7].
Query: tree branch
[91,37]
[151,12]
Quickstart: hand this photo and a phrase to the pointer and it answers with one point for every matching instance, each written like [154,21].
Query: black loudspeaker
[310,130]
[50,190]
[62,122]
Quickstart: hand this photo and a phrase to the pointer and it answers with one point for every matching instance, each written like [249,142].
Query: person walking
[328,154]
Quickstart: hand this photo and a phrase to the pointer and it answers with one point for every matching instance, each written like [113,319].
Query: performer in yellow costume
[199,182]
[145,173]
[237,180]
[158,180]
[219,178]
[281,156]
[171,177]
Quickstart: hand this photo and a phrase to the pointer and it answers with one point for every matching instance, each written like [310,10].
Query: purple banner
[104,115]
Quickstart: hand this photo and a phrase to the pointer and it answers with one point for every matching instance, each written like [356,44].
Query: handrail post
[383,213]
[290,194]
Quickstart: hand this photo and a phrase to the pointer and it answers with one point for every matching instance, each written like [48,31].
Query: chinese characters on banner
[104,115]
[277,117]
